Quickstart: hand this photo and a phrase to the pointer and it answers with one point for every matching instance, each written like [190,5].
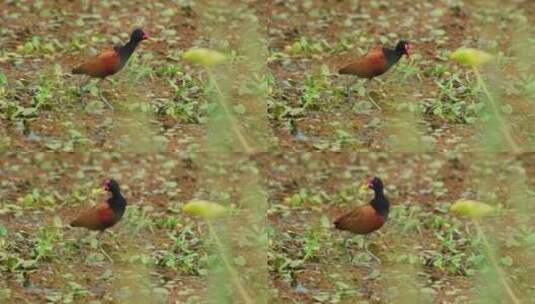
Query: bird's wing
[376,57]
[361,220]
[370,65]
[100,66]
[95,217]
[346,220]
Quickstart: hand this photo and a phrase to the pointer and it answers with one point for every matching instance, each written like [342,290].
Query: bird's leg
[349,90]
[348,252]
[83,88]
[378,260]
[373,256]
[86,239]
[114,240]
[105,101]
[102,248]
[104,98]
[367,85]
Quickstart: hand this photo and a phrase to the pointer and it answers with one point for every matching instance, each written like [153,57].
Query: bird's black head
[138,35]
[375,183]
[112,186]
[404,47]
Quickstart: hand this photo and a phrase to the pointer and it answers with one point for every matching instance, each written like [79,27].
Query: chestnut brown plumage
[105,214]
[111,61]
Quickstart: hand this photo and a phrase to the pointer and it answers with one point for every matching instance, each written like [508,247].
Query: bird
[105,214]
[376,62]
[111,61]
[367,218]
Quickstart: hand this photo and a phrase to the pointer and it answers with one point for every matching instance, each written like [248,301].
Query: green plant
[457,100]
[311,245]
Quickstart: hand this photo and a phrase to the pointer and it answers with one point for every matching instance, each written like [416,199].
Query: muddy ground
[433,142]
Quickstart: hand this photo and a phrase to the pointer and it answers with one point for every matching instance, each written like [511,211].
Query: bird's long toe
[106,102]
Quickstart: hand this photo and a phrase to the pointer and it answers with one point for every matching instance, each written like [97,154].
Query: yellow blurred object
[471,57]
[97,191]
[205,57]
[364,188]
[472,209]
[205,209]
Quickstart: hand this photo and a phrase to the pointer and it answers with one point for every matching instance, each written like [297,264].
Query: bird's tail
[341,223]
[344,71]
[78,70]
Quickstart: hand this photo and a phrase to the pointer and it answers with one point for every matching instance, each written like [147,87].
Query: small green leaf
[57,222]
[240,109]
[295,48]
[325,222]
[3,79]
[240,261]
[507,261]
[3,231]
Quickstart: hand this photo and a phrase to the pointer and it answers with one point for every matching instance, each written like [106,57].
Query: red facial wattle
[408,48]
[369,182]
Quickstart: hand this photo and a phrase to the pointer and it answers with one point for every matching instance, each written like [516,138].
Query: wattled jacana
[111,61]
[105,214]
[376,62]
[368,218]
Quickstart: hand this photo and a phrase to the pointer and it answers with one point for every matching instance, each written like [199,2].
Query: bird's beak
[97,191]
[145,36]
[367,185]
[369,182]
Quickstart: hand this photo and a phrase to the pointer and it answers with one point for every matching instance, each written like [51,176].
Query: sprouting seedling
[475,58]
[209,59]
[476,211]
[209,211]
